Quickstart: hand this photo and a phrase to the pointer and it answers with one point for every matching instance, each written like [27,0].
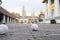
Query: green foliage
[40,20]
[0,2]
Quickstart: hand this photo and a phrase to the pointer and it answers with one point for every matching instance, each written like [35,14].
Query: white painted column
[59,7]
[49,10]
[4,19]
[7,19]
[46,14]
[14,21]
[56,9]
[10,20]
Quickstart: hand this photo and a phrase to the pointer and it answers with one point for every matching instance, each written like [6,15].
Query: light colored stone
[3,28]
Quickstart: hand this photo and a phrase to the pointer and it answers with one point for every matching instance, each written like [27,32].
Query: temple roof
[5,12]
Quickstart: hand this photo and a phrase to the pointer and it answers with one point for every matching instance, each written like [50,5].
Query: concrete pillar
[49,10]
[59,6]
[46,14]
[4,19]
[56,9]
[10,20]
[14,21]
[7,19]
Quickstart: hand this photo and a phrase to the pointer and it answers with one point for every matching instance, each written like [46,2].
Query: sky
[30,6]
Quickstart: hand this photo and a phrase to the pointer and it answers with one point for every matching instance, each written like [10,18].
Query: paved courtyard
[24,32]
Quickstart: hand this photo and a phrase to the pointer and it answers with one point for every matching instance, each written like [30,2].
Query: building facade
[52,9]
[6,17]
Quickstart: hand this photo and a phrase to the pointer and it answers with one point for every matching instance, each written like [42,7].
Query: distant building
[23,12]
[17,16]
[28,19]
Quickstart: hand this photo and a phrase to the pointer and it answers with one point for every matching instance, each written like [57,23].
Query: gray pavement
[24,32]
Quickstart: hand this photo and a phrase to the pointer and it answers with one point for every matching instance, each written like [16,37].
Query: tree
[41,16]
[40,19]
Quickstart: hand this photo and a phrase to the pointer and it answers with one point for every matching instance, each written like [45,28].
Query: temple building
[52,10]
[7,17]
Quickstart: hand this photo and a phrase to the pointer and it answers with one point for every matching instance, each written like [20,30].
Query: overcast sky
[30,6]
